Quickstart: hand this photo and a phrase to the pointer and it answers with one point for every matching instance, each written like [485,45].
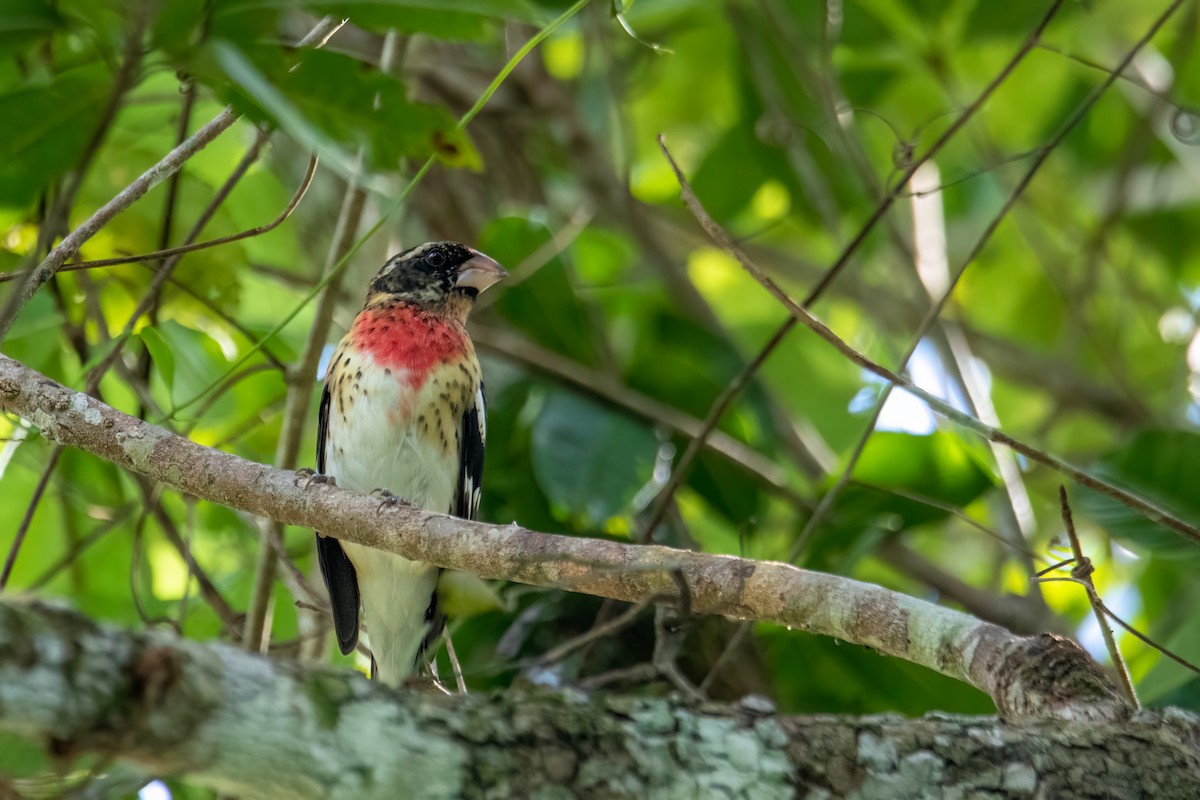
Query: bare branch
[1043,675]
[1002,609]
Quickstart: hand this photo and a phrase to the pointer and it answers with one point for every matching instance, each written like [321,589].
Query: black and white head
[434,273]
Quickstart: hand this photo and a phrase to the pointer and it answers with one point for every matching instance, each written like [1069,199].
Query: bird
[402,415]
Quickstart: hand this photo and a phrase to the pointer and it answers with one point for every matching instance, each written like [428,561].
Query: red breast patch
[403,338]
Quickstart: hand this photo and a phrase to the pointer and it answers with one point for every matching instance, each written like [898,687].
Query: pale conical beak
[479,272]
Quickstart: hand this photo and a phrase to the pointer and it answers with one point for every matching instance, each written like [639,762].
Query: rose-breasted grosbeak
[403,412]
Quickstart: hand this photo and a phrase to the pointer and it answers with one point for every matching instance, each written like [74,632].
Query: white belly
[374,447]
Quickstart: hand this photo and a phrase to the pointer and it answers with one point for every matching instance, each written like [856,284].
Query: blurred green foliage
[1077,322]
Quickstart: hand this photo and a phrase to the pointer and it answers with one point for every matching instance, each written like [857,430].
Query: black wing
[470,470]
[340,578]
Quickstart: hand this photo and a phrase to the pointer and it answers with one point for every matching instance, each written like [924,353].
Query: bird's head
[435,276]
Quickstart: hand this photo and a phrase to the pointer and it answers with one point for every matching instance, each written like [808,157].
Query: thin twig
[1145,507]
[522,351]
[227,318]
[157,255]
[558,243]
[78,547]
[295,412]
[730,393]
[59,215]
[167,166]
[799,312]
[1082,573]
[168,223]
[191,248]
[608,628]
[459,681]
[98,371]
[1144,639]
[405,193]
[720,405]
[953,511]
[164,240]
[27,518]
[164,272]
[727,653]
[152,499]
[322,32]
[69,246]
[1096,65]
[126,78]
[638,673]
[1011,611]
[135,563]
[147,301]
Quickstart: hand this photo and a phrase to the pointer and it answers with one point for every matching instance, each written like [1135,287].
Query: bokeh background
[1073,329]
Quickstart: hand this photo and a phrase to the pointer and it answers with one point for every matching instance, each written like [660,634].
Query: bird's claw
[387,499]
[306,477]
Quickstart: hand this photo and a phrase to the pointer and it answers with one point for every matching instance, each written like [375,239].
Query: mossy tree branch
[246,726]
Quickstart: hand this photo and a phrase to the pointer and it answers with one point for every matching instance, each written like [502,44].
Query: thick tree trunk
[246,726]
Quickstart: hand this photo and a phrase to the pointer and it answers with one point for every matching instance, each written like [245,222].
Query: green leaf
[942,466]
[328,102]
[47,127]
[544,304]
[101,353]
[160,354]
[588,460]
[179,25]
[188,360]
[726,489]
[496,9]
[25,23]
[1163,466]
[1186,695]
[246,21]
[20,757]
[465,595]
[847,679]
[445,19]
[1016,18]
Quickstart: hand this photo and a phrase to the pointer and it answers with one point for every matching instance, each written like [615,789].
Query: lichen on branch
[242,725]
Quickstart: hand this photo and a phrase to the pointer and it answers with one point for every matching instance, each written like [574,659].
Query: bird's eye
[435,258]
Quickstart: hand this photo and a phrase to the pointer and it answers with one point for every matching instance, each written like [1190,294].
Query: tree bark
[1025,676]
[240,724]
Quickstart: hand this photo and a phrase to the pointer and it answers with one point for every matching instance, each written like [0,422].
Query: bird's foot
[424,684]
[387,499]
[306,477]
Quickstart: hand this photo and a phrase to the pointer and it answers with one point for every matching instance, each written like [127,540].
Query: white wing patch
[474,436]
